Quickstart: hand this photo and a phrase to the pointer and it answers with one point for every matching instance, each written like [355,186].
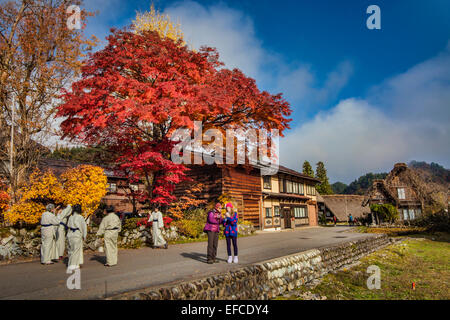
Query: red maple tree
[140,88]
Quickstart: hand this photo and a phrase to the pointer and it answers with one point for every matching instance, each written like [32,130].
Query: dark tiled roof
[59,166]
[286,170]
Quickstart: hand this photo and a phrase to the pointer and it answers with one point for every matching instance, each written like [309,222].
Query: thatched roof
[341,205]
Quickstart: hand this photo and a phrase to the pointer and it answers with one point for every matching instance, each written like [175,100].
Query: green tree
[338,187]
[386,212]
[321,174]
[307,169]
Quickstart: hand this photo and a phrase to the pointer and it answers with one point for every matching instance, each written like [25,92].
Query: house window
[401,193]
[411,214]
[134,187]
[301,189]
[295,188]
[418,212]
[282,185]
[405,214]
[289,186]
[111,187]
[276,211]
[268,212]
[310,190]
[300,212]
[266,181]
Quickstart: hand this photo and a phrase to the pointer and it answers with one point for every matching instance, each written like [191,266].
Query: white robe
[49,225]
[61,233]
[157,224]
[110,227]
[75,235]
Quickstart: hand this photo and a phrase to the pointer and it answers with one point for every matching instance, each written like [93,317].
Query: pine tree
[307,169]
[321,173]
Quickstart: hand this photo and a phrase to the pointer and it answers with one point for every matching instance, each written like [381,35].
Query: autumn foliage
[4,199]
[142,86]
[188,200]
[84,185]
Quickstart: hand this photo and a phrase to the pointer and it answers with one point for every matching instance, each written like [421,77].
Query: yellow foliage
[29,212]
[84,185]
[42,187]
[153,20]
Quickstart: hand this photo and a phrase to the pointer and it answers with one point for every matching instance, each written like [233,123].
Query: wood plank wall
[245,188]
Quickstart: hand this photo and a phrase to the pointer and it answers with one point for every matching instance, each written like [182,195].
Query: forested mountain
[359,186]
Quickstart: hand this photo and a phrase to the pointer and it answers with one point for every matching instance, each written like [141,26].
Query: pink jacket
[213,221]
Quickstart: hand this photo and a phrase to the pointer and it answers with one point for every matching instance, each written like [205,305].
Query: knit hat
[229,204]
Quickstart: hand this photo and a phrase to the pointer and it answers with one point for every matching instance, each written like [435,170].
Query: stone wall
[267,279]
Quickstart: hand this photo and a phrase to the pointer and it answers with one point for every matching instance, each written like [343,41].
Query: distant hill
[436,176]
[359,186]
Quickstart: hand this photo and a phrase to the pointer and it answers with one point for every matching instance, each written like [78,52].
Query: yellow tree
[84,185]
[41,189]
[153,20]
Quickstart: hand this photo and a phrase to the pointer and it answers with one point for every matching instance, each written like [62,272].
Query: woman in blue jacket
[231,231]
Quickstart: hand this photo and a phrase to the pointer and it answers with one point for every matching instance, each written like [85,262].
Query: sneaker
[230,259]
[235,259]
[210,262]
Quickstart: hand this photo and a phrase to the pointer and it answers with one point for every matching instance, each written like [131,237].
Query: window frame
[401,192]
[275,211]
[268,209]
[267,184]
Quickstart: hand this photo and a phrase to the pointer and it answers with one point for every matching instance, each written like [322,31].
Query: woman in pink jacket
[213,222]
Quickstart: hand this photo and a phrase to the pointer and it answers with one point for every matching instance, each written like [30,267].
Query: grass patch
[423,261]
[392,232]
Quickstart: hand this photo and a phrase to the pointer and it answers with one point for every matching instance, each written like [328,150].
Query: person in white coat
[77,232]
[110,228]
[157,225]
[63,216]
[49,225]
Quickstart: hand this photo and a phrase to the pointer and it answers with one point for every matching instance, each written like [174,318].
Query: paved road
[147,267]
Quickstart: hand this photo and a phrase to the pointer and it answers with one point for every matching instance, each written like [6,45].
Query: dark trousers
[213,240]
[234,240]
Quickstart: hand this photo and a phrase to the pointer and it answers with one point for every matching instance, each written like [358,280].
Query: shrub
[245,223]
[386,212]
[198,214]
[439,221]
[190,228]
[130,224]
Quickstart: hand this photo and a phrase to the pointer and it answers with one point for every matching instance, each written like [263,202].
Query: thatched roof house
[341,205]
[402,188]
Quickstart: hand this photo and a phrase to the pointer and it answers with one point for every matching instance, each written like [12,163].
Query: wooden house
[284,200]
[403,189]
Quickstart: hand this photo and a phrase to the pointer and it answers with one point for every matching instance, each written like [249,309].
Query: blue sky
[362,99]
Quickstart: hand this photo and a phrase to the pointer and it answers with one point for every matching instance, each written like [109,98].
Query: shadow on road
[100,259]
[198,256]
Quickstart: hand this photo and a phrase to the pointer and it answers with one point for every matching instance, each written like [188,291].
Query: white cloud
[404,118]
[233,34]
[227,29]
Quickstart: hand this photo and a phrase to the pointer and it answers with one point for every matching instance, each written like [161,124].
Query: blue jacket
[231,226]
